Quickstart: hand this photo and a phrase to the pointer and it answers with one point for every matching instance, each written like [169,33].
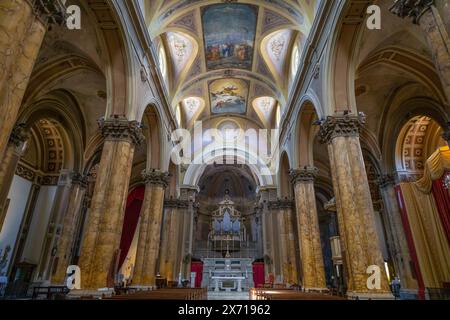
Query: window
[278,116]
[295,61]
[162,62]
[178,115]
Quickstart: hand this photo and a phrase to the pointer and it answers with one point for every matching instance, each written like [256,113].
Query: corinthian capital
[19,135]
[345,125]
[156,178]
[50,11]
[304,175]
[119,128]
[411,8]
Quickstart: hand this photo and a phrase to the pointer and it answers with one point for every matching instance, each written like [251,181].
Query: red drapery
[258,274]
[197,266]
[130,221]
[443,203]
[410,241]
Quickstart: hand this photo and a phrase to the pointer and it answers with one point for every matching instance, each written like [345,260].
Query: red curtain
[130,221]
[258,274]
[442,198]
[410,240]
[197,266]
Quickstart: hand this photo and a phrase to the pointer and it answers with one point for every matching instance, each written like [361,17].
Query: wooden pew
[290,294]
[164,294]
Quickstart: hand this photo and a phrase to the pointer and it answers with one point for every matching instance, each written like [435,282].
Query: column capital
[50,11]
[176,203]
[79,179]
[304,175]
[386,180]
[19,135]
[119,128]
[156,178]
[280,204]
[341,125]
[414,9]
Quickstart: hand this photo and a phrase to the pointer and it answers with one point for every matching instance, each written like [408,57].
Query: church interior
[235,149]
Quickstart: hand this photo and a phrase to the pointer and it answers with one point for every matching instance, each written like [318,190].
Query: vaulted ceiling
[228,58]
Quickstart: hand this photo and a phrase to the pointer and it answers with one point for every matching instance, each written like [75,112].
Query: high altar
[227,236]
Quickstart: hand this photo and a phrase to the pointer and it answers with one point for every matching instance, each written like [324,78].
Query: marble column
[282,209]
[426,15]
[23,24]
[354,206]
[187,195]
[103,230]
[67,236]
[308,229]
[14,152]
[292,251]
[400,250]
[59,208]
[150,228]
[267,231]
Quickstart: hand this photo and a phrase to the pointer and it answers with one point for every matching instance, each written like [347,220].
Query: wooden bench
[49,292]
[290,294]
[164,294]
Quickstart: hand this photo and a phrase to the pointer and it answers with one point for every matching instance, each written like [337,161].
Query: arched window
[162,62]
[278,116]
[295,61]
[178,115]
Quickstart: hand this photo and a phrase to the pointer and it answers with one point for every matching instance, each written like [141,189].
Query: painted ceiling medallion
[192,106]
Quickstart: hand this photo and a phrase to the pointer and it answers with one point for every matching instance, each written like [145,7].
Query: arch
[62,107]
[396,121]
[305,132]
[153,134]
[259,169]
[285,188]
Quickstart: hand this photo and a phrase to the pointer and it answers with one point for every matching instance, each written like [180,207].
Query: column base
[91,293]
[370,296]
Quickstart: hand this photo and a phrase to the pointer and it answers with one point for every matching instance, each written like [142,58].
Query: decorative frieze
[50,11]
[155,177]
[414,9]
[19,135]
[345,125]
[119,128]
[25,173]
[304,175]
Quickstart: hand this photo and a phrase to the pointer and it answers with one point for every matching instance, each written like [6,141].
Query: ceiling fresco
[229,35]
[229,58]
